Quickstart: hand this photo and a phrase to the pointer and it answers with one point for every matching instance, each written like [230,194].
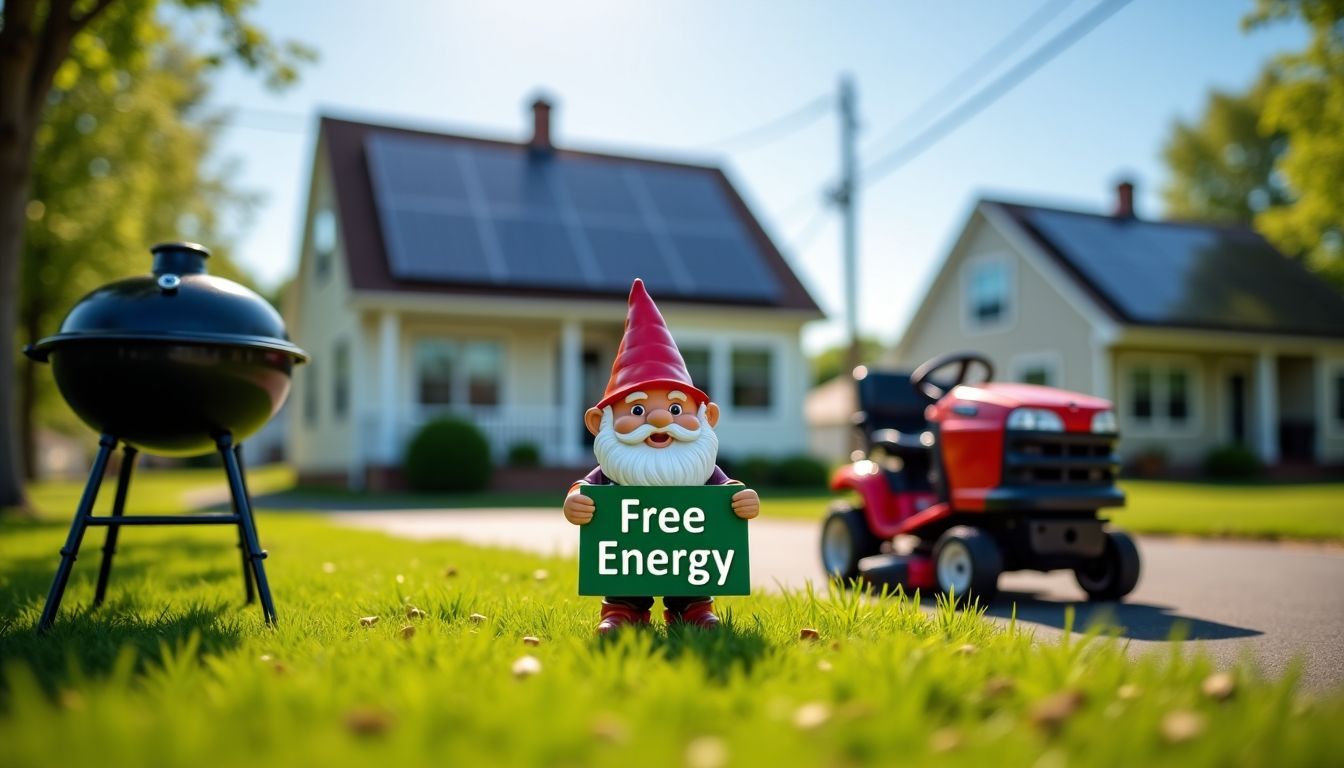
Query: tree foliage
[1222,165]
[38,39]
[1273,156]
[1307,106]
[830,362]
[122,160]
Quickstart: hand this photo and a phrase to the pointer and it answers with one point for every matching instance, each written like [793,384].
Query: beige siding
[1039,326]
[320,319]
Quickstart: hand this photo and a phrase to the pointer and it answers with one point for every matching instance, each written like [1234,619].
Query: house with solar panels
[1203,335]
[448,274]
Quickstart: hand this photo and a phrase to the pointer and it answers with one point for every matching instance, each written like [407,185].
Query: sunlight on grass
[174,670]
[1305,511]
[155,491]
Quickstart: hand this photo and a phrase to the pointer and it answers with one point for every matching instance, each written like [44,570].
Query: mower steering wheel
[922,378]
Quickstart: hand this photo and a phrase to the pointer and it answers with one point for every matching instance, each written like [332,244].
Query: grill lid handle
[179,258]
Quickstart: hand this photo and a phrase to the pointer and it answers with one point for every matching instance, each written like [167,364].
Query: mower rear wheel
[845,540]
[1115,573]
[967,563]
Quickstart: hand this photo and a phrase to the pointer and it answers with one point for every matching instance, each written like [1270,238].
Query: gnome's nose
[660,418]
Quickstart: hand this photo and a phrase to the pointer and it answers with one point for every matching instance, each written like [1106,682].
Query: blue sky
[672,79]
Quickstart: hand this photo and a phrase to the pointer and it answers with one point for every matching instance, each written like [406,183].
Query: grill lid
[179,302]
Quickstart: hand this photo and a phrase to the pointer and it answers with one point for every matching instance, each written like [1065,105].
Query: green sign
[677,541]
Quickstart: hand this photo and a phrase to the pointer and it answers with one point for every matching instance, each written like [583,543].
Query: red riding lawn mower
[962,482]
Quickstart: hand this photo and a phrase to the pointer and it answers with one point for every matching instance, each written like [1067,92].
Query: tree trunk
[16,148]
[28,398]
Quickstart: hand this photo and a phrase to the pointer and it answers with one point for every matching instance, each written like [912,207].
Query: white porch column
[1267,406]
[571,392]
[389,344]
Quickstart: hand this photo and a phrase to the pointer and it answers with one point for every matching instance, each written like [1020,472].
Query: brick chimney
[541,126]
[1124,200]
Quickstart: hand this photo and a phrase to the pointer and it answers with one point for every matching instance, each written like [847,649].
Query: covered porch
[1282,399]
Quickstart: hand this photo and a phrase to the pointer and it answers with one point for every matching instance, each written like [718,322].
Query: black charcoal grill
[176,363]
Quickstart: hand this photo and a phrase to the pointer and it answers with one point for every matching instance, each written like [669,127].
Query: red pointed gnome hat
[648,355]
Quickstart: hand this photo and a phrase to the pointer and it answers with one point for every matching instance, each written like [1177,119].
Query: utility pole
[846,199]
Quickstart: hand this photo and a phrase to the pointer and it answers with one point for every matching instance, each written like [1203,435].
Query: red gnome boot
[697,614]
[617,615]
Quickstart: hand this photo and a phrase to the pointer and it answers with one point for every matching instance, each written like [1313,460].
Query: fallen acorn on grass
[811,716]
[1220,686]
[477,618]
[366,721]
[706,752]
[1050,714]
[532,641]
[368,621]
[414,613]
[407,632]
[526,666]
[1182,725]
[808,633]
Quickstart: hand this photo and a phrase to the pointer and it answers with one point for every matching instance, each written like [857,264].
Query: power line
[778,128]
[996,89]
[976,71]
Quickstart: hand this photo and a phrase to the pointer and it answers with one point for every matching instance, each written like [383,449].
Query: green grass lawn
[175,671]
[1272,511]
[155,491]
[1309,511]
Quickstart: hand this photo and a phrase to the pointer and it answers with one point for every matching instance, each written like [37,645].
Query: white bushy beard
[688,459]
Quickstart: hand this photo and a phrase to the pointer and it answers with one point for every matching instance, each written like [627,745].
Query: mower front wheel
[967,563]
[1115,573]
[845,540]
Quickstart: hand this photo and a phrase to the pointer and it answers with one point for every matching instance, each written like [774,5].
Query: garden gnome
[653,426]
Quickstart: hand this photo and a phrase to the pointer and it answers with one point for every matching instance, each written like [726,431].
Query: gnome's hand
[579,508]
[746,504]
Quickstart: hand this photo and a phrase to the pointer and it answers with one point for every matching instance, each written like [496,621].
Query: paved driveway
[1273,601]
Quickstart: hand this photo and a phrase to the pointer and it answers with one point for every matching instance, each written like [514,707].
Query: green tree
[1222,165]
[117,168]
[830,362]
[1306,105]
[37,39]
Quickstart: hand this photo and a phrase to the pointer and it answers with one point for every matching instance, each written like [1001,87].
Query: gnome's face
[655,437]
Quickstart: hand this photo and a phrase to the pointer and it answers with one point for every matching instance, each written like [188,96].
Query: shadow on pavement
[1137,621]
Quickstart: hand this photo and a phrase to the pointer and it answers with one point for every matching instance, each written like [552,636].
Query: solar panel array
[472,213]
[1172,274]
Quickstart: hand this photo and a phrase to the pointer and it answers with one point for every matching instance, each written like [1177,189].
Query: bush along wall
[448,455]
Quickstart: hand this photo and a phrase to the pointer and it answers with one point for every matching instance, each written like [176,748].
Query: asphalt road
[1275,603]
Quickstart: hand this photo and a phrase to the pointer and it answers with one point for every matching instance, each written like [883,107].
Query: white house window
[1178,396]
[988,293]
[751,378]
[1037,368]
[324,243]
[453,372]
[697,364]
[483,361]
[1161,395]
[1142,395]
[340,381]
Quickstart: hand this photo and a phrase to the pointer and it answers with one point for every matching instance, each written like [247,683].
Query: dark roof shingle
[1185,275]
[368,202]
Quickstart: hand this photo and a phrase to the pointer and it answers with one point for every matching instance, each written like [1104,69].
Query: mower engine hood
[1010,395]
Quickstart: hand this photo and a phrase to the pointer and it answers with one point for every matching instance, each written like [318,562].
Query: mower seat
[891,419]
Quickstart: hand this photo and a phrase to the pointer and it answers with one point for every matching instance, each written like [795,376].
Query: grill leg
[106,444]
[237,486]
[242,535]
[128,458]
